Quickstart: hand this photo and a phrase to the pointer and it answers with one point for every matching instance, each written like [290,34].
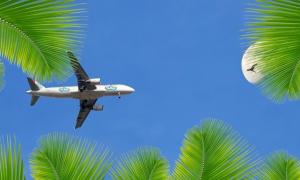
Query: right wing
[81,75]
[85,108]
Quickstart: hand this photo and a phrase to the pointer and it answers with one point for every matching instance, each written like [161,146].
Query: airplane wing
[85,108]
[82,77]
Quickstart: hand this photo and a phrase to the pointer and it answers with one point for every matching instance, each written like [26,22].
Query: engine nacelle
[95,81]
[98,107]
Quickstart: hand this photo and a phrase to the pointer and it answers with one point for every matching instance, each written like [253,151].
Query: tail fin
[34,86]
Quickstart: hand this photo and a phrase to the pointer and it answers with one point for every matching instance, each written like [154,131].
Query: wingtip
[77,127]
[70,54]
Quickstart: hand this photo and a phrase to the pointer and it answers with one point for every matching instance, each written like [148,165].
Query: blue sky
[182,57]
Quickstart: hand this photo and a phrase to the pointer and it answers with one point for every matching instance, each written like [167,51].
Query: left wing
[81,75]
[85,108]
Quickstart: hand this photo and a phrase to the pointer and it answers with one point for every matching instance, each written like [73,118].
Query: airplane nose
[131,89]
[127,89]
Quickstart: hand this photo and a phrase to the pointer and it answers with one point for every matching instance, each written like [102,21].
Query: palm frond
[11,163]
[36,35]
[60,156]
[281,166]
[214,151]
[143,164]
[275,28]
[1,75]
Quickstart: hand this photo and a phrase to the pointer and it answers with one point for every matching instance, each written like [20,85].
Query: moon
[249,66]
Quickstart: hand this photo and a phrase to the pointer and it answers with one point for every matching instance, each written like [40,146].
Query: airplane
[87,91]
[252,68]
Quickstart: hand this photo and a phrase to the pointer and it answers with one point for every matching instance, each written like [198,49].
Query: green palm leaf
[60,156]
[275,28]
[35,35]
[11,163]
[144,164]
[214,151]
[281,166]
[1,75]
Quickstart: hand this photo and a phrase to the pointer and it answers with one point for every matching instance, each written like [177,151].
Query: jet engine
[95,81]
[98,107]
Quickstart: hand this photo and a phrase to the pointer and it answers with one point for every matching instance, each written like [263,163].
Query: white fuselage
[73,91]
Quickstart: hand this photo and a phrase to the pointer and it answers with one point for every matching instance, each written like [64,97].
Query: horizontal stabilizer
[34,99]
